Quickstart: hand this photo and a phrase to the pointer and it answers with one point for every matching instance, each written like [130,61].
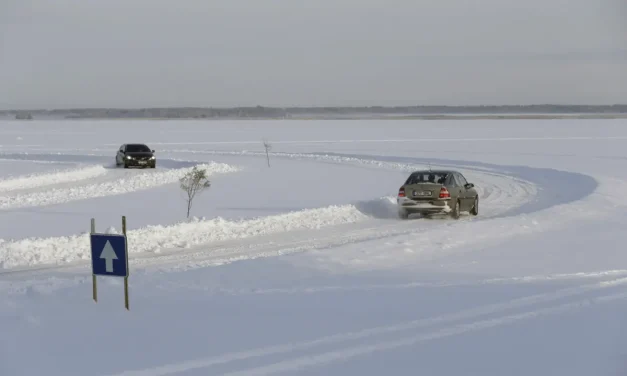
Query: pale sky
[151,53]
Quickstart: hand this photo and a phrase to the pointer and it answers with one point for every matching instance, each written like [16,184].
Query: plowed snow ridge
[50,178]
[119,186]
[183,235]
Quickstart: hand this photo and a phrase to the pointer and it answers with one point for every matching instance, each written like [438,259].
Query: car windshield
[427,177]
[137,148]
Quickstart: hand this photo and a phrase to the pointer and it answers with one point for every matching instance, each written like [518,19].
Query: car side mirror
[153,151]
[121,151]
[469,185]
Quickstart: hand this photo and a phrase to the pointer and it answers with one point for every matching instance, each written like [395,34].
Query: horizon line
[312,107]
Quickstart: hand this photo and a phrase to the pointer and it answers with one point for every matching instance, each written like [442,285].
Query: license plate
[422,193]
[142,162]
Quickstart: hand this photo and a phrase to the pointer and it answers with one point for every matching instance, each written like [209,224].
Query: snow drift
[50,178]
[34,251]
[126,184]
[383,207]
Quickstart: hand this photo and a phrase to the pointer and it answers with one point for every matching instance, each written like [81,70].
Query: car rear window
[427,177]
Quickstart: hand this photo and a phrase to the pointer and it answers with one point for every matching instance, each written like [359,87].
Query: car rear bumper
[424,206]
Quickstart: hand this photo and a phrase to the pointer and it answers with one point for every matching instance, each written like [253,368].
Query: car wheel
[475,207]
[455,211]
[402,214]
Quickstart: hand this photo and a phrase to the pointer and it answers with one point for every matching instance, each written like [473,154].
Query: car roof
[441,172]
[137,145]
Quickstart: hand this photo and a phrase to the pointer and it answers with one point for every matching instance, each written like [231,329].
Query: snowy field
[302,268]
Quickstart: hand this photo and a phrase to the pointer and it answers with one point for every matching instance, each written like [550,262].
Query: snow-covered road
[303,267]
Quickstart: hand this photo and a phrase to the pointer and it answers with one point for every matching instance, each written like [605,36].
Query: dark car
[135,155]
[432,192]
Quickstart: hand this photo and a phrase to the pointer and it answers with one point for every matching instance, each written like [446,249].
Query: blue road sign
[109,255]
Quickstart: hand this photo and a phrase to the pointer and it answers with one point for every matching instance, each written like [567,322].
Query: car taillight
[444,193]
[401,192]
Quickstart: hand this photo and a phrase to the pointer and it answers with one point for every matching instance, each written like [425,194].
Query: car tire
[403,214]
[475,206]
[455,211]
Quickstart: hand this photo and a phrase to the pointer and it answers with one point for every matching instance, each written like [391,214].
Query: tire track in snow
[438,244]
[369,333]
[177,286]
[350,352]
[543,180]
[502,191]
[538,181]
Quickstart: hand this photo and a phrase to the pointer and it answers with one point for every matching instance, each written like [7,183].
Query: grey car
[436,192]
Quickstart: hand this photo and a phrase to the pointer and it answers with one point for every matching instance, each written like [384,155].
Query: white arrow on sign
[108,254]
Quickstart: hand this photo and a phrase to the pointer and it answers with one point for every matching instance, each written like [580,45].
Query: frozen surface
[303,267]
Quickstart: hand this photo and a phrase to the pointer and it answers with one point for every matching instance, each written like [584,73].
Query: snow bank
[50,178]
[196,232]
[123,185]
[383,208]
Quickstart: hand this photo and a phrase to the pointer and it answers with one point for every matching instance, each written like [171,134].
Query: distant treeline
[261,112]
